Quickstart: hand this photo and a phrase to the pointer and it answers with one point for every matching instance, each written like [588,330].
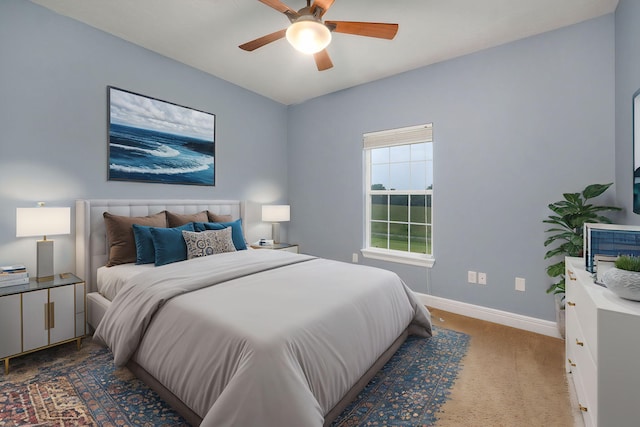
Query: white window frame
[388,138]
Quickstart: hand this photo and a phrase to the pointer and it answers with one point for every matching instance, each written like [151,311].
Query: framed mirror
[636,152]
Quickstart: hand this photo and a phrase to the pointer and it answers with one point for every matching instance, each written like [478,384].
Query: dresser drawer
[579,304]
[587,409]
[571,329]
[584,373]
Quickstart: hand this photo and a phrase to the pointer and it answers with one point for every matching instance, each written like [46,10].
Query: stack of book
[12,275]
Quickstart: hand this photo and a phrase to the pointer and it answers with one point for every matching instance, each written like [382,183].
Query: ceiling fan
[309,34]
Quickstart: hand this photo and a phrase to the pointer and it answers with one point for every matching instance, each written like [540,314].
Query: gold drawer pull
[52,315]
[571,362]
[571,304]
[46,316]
[582,408]
[571,275]
[580,343]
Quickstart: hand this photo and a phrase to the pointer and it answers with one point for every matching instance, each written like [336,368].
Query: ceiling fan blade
[368,29]
[279,6]
[322,4]
[261,41]
[323,62]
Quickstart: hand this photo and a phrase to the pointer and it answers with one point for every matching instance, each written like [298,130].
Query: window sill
[399,257]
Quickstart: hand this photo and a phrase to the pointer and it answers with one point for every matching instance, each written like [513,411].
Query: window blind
[400,136]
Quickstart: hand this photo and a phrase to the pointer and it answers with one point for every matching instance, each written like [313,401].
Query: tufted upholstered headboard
[91,236]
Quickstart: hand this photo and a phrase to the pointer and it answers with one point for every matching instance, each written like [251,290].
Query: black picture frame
[636,150]
[150,140]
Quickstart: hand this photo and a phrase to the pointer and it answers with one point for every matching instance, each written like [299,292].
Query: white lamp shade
[276,213]
[42,221]
[308,35]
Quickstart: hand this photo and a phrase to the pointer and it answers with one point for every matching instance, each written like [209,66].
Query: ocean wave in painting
[155,170]
[138,154]
[161,151]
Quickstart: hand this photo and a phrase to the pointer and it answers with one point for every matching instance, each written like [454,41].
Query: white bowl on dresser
[625,284]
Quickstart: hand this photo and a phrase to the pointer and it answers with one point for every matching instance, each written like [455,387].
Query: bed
[252,337]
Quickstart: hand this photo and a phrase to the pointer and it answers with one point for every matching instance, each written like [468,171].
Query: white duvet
[276,341]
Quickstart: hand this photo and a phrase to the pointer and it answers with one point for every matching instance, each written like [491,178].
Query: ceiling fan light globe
[308,35]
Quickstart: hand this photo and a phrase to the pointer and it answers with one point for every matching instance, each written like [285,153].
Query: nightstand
[288,247]
[40,315]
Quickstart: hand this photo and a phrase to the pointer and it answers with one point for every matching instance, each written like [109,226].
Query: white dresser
[603,350]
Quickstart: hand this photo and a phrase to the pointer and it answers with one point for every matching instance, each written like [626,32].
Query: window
[399,195]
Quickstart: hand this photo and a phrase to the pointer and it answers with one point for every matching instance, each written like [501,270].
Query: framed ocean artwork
[150,140]
[636,152]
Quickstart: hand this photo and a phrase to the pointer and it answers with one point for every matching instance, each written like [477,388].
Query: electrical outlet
[520,284]
[354,257]
[472,277]
[482,278]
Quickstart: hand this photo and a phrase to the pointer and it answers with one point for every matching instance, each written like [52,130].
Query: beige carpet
[509,378]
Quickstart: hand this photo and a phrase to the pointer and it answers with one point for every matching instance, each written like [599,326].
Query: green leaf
[555,269]
[554,219]
[573,198]
[561,230]
[594,190]
[557,221]
[554,252]
[577,240]
[557,288]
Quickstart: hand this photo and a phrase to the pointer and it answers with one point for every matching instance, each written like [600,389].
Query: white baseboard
[532,324]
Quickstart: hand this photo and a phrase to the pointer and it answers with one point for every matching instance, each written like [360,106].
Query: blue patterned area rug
[410,389]
[62,387]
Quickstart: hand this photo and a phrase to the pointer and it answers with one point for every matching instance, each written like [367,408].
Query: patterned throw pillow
[209,242]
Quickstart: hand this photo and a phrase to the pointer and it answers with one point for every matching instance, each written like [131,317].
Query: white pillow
[208,242]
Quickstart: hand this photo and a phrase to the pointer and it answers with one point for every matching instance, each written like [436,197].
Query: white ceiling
[205,34]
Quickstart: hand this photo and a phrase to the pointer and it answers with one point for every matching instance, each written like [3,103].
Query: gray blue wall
[627,83]
[514,127]
[53,116]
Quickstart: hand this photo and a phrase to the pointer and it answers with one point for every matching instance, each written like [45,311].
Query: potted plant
[624,279]
[566,235]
